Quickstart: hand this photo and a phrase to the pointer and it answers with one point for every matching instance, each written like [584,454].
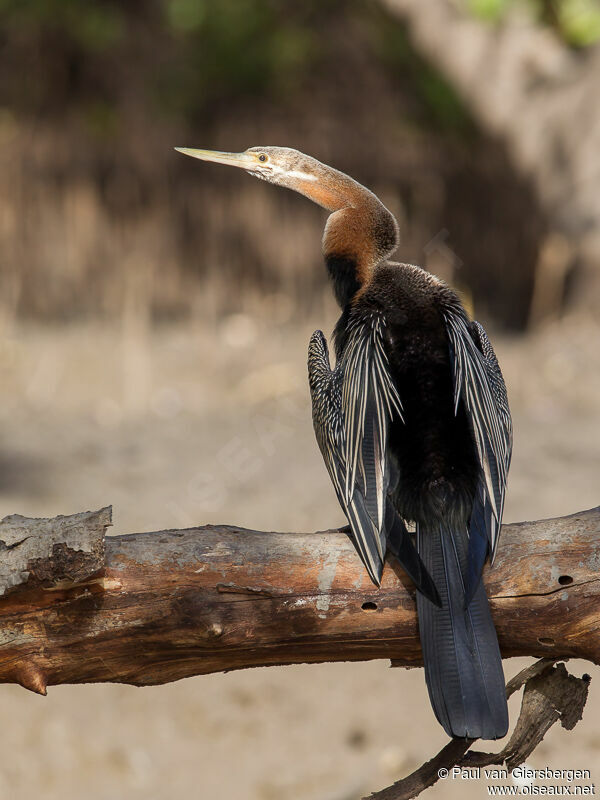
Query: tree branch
[149,608]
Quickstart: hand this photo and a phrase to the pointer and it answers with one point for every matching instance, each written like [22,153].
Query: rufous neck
[360,231]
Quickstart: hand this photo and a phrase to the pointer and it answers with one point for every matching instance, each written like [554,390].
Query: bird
[414,427]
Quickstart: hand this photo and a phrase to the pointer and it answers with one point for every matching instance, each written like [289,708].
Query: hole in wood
[369,606]
[547,640]
[565,580]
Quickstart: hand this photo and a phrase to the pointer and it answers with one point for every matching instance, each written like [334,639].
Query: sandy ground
[211,424]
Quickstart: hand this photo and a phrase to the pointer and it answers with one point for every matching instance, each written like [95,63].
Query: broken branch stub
[52,552]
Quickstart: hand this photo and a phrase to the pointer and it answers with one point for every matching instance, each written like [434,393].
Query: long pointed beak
[243,160]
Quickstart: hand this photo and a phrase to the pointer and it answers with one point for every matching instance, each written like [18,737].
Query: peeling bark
[63,550]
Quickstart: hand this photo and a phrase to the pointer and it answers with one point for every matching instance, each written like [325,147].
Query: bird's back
[432,445]
[439,486]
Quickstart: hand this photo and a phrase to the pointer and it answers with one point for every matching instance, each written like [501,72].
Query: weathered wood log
[171,604]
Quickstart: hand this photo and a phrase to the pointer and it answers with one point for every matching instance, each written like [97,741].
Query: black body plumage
[420,418]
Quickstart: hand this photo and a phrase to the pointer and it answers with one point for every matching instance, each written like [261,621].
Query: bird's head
[287,167]
[360,231]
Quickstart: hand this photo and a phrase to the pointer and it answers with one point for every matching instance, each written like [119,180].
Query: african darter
[414,426]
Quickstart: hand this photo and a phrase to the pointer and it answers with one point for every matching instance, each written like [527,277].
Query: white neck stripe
[293,173]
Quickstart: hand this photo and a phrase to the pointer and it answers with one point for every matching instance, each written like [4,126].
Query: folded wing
[479,385]
[353,406]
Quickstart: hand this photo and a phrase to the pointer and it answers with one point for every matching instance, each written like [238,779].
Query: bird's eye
[262,157]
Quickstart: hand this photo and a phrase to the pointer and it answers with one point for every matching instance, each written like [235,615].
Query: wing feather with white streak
[352,409]
[479,384]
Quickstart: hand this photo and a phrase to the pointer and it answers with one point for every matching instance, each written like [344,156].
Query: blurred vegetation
[98,215]
[577,22]
[185,58]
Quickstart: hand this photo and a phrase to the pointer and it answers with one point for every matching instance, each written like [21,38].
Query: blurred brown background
[155,312]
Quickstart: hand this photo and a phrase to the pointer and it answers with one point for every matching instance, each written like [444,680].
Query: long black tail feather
[463,667]
[400,543]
